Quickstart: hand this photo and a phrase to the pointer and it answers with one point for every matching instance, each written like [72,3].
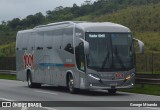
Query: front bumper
[109,87]
[110,84]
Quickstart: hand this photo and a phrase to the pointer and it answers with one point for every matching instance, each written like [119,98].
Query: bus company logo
[28,59]
[119,75]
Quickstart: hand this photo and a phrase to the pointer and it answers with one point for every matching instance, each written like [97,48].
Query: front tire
[30,83]
[71,85]
[112,91]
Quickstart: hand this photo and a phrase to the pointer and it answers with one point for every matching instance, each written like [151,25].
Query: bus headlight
[94,76]
[129,76]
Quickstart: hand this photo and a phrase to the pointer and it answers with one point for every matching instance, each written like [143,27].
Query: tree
[14,23]
[4,23]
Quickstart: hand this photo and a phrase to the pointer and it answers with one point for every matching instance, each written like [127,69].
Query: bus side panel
[52,65]
[68,66]
[48,67]
[38,74]
[21,73]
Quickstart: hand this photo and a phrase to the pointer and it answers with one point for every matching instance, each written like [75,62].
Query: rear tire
[71,88]
[30,83]
[112,91]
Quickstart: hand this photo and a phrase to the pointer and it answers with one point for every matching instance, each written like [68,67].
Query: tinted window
[19,42]
[48,39]
[25,41]
[68,40]
[57,38]
[31,43]
[39,43]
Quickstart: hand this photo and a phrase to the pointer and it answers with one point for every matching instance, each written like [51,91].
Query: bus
[77,55]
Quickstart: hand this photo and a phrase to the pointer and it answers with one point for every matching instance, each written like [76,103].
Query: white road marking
[47,92]
[24,108]
[6,99]
[152,108]
[48,108]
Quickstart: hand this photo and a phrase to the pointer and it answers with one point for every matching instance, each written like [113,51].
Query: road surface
[18,91]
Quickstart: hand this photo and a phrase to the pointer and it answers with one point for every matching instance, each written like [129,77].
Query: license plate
[113,84]
[119,75]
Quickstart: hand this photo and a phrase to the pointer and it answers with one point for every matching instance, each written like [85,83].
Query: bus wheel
[71,85]
[112,91]
[30,83]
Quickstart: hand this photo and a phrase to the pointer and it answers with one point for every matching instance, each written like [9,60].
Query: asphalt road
[18,91]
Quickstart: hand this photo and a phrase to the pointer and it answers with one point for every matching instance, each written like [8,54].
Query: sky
[10,9]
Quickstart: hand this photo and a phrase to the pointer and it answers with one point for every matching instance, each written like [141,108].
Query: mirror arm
[86,46]
[141,45]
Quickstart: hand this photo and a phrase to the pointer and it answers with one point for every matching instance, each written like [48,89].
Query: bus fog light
[90,85]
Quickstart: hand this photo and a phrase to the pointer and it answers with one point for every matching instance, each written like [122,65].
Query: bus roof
[102,27]
[84,25]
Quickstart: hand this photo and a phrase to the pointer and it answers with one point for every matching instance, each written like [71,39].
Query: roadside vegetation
[141,16]
[8,76]
[144,89]
[7,50]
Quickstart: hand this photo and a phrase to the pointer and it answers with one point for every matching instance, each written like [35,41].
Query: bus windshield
[110,51]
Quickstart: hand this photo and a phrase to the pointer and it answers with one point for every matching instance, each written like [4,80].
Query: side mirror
[86,46]
[141,45]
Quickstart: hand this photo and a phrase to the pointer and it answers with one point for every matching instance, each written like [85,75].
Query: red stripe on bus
[69,65]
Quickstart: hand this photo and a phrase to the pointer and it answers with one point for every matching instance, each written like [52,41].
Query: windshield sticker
[97,35]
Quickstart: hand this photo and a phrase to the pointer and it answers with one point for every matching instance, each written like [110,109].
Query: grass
[8,76]
[7,49]
[144,89]
[150,39]
[155,72]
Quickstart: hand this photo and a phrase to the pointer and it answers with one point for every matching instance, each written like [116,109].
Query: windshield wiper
[119,59]
[106,58]
[131,48]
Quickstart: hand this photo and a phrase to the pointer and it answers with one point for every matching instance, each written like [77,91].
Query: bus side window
[19,41]
[57,38]
[39,42]
[69,48]
[24,48]
[39,48]
[25,41]
[48,39]
[68,40]
[31,43]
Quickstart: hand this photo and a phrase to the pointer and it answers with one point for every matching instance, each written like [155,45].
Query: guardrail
[7,72]
[148,79]
[140,78]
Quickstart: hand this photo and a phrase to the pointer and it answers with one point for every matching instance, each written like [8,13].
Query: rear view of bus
[77,55]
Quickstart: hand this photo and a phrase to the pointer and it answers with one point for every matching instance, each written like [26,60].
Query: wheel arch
[69,72]
[28,71]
